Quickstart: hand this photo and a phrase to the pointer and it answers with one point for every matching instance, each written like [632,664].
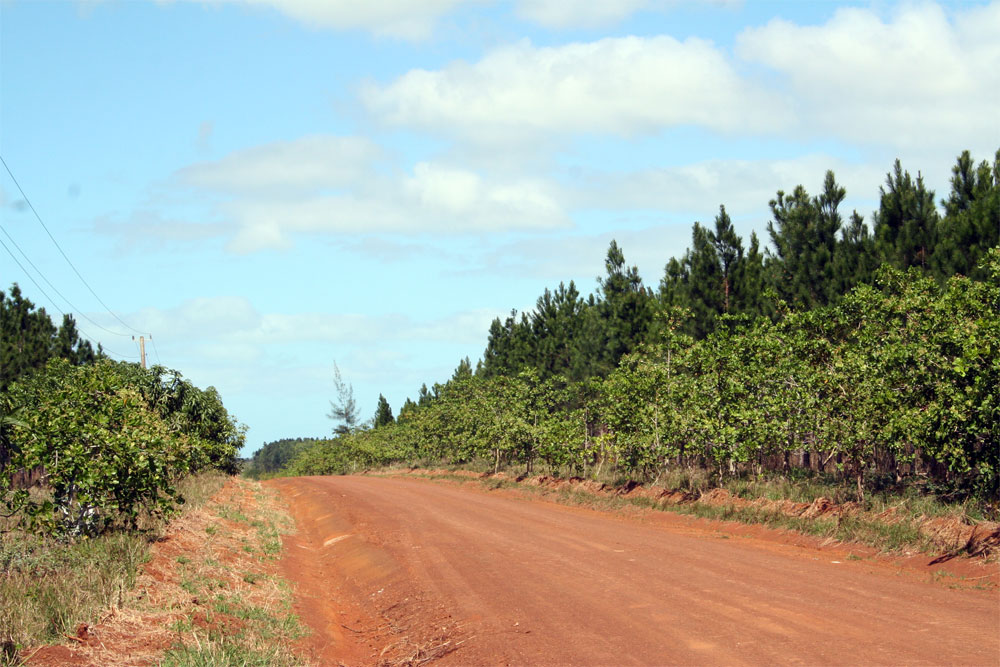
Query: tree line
[815,258]
[873,356]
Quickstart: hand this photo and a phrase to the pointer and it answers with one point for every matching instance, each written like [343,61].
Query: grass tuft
[48,586]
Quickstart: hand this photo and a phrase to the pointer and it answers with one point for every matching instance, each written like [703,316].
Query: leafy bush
[107,442]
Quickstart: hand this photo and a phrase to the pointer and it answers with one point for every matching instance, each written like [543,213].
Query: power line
[54,288]
[155,351]
[58,309]
[31,278]
[59,248]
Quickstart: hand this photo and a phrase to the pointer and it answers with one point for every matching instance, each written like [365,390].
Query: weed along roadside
[205,592]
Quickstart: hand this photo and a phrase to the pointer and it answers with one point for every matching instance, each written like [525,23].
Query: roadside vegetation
[202,589]
[50,585]
[231,606]
[860,367]
[95,457]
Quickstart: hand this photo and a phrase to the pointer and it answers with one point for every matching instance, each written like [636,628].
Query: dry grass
[48,587]
[204,593]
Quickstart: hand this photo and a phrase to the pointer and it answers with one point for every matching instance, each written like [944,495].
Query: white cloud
[624,86]
[262,197]
[404,19]
[918,79]
[234,320]
[346,185]
[415,20]
[253,236]
[414,207]
[924,77]
[577,13]
[200,318]
[316,161]
[145,227]
[743,186]
[594,13]
[460,193]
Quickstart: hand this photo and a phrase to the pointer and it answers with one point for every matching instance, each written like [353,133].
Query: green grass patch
[246,614]
[220,653]
[48,585]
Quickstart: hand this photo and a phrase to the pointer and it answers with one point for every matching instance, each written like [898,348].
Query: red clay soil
[401,571]
[138,633]
[952,536]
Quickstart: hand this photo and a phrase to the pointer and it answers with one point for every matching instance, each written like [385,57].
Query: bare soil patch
[403,571]
[167,609]
[951,536]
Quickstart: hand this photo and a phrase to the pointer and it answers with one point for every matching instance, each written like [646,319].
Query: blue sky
[267,186]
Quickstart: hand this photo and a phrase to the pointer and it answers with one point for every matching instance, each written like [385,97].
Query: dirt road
[394,569]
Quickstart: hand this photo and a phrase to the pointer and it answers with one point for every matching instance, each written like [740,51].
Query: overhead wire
[62,252]
[48,282]
[155,351]
[90,338]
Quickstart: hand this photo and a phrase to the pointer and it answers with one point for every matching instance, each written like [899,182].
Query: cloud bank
[918,77]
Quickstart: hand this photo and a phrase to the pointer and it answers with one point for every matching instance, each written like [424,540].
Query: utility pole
[142,350]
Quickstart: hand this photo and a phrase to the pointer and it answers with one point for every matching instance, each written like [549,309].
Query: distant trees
[274,456]
[569,336]
[906,221]
[716,276]
[804,235]
[971,224]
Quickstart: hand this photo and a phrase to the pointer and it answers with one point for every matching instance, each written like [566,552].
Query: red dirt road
[391,569]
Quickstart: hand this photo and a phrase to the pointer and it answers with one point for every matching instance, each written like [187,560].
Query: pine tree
[463,371]
[625,309]
[706,283]
[589,345]
[68,345]
[804,235]
[555,324]
[855,259]
[407,411]
[729,251]
[906,221]
[424,396]
[344,410]
[971,224]
[509,348]
[674,284]
[748,281]
[383,413]
[27,336]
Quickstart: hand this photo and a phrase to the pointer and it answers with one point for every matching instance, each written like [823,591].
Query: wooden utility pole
[142,350]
